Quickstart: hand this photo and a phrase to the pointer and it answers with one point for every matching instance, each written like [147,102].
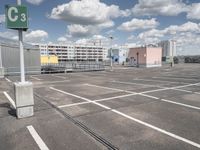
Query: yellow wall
[49,59]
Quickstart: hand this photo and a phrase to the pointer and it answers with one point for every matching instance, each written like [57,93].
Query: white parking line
[103,87]
[59,77]
[99,100]
[37,138]
[135,120]
[35,78]
[10,99]
[153,97]
[8,80]
[162,81]
[183,90]
[196,92]
[158,129]
[175,78]
[131,83]
[78,97]
[182,104]
[74,104]
[51,82]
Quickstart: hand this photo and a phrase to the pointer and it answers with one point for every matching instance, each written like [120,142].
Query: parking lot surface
[127,108]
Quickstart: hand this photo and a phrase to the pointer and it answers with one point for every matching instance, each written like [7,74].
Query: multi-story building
[77,52]
[168,49]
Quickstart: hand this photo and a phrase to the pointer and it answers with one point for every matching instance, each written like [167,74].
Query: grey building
[10,57]
[168,49]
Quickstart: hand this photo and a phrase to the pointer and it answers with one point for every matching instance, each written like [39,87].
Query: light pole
[111,63]
[172,56]
[21,47]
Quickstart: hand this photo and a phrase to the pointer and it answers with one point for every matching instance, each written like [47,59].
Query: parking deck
[128,108]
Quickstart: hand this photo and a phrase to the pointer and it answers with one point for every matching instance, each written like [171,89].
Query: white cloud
[87,12]
[135,24]
[171,30]
[95,39]
[159,7]
[10,34]
[2,18]
[186,27]
[35,2]
[62,39]
[194,11]
[131,37]
[76,30]
[29,36]
[109,32]
[35,36]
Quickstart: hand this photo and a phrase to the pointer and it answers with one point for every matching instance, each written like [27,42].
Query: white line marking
[37,138]
[35,78]
[79,97]
[162,81]
[103,87]
[136,120]
[158,129]
[74,104]
[99,100]
[174,78]
[10,99]
[196,92]
[59,77]
[153,97]
[131,83]
[115,97]
[182,104]
[8,80]
[183,90]
[51,82]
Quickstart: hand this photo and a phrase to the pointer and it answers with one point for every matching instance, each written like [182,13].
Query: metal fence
[72,66]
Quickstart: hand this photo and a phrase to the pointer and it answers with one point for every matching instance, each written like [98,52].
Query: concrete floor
[128,108]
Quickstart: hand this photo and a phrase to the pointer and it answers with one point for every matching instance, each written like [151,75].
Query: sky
[129,22]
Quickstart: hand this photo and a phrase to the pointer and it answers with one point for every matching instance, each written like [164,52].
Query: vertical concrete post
[1,66]
[23,90]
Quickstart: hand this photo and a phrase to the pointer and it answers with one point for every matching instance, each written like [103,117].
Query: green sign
[16,17]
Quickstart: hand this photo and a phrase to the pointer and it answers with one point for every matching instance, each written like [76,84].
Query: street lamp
[111,63]
[172,56]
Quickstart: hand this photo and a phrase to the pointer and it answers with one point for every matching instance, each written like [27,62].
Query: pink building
[146,56]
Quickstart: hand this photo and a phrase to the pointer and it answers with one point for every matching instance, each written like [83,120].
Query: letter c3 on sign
[11,17]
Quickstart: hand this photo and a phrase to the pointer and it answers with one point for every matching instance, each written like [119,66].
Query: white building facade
[77,52]
[168,48]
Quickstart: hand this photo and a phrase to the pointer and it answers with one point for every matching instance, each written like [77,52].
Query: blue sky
[130,22]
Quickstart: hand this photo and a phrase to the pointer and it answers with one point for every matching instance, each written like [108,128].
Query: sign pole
[21,47]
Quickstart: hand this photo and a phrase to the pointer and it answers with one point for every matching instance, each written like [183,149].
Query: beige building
[145,56]
[77,52]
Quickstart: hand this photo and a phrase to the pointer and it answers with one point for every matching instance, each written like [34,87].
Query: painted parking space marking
[181,104]
[99,100]
[59,77]
[131,83]
[168,101]
[10,99]
[174,78]
[183,90]
[37,138]
[51,82]
[158,129]
[162,81]
[35,78]
[108,88]
[134,119]
[86,99]
[8,80]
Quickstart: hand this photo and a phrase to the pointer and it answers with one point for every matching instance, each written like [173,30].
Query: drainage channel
[82,126]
